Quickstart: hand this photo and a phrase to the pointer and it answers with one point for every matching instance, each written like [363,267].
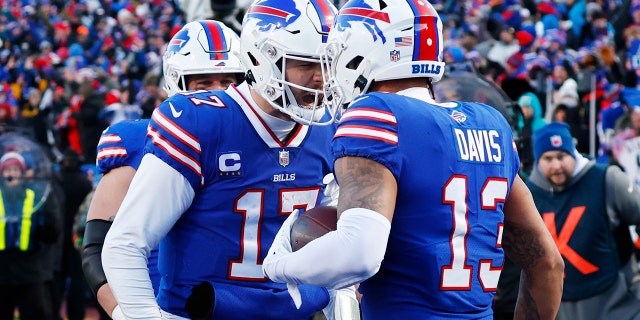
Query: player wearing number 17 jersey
[222,171]
[197,58]
[429,192]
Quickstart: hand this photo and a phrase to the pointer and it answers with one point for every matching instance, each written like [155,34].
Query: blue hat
[554,136]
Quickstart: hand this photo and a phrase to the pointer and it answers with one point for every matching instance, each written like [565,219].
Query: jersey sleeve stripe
[367,132]
[109,138]
[174,152]
[176,131]
[111,152]
[372,114]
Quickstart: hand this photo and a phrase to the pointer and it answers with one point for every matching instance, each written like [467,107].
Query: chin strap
[430,87]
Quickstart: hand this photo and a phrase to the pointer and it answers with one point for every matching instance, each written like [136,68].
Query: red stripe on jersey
[376,114]
[367,132]
[264,124]
[109,138]
[112,152]
[172,151]
[176,131]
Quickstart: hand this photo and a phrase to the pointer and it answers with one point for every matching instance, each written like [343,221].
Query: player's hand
[281,247]
[331,191]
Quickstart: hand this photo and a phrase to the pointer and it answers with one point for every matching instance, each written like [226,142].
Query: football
[312,224]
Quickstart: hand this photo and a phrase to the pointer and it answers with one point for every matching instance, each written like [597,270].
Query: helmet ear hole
[252,58]
[354,63]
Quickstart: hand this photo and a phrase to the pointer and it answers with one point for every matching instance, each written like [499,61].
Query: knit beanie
[554,136]
[12,158]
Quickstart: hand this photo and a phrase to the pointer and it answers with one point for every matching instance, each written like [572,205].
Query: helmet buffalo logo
[359,11]
[177,42]
[273,14]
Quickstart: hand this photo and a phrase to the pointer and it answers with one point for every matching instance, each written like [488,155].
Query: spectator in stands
[27,232]
[587,208]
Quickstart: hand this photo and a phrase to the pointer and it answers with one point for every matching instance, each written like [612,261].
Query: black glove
[200,303]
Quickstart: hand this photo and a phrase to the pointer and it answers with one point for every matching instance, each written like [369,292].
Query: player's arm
[106,200]
[367,198]
[528,243]
[156,199]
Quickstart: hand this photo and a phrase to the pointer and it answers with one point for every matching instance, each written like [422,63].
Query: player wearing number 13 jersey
[429,192]
[222,171]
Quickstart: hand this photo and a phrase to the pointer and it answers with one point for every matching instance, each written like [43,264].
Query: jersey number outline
[213,100]
[251,205]
[457,275]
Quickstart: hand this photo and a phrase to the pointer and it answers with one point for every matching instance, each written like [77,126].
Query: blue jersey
[454,164]
[120,145]
[246,182]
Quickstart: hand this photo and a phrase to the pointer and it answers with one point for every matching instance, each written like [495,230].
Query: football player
[444,174]
[222,171]
[199,57]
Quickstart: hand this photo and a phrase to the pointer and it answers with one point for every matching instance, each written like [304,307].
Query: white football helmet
[377,40]
[277,31]
[200,47]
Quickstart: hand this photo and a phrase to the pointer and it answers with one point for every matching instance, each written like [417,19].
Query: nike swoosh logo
[175,112]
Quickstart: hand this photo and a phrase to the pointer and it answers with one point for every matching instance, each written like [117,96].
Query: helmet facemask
[281,92]
[275,33]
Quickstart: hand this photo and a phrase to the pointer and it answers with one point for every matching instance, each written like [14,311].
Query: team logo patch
[283,157]
[458,116]
[178,42]
[556,141]
[272,16]
[359,11]
[394,55]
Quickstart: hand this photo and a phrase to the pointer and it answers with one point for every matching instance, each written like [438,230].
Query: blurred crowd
[68,69]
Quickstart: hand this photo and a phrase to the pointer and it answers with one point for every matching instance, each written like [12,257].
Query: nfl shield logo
[283,157]
[395,55]
[556,141]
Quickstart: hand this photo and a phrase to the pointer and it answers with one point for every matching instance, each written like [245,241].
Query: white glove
[331,191]
[281,247]
[343,305]
[117,314]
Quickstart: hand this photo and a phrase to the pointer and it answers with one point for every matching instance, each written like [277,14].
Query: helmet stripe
[326,14]
[258,9]
[426,41]
[217,42]
[365,13]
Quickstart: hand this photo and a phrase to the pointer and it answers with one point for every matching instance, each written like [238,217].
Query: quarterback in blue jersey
[222,171]
[430,198]
[121,146]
